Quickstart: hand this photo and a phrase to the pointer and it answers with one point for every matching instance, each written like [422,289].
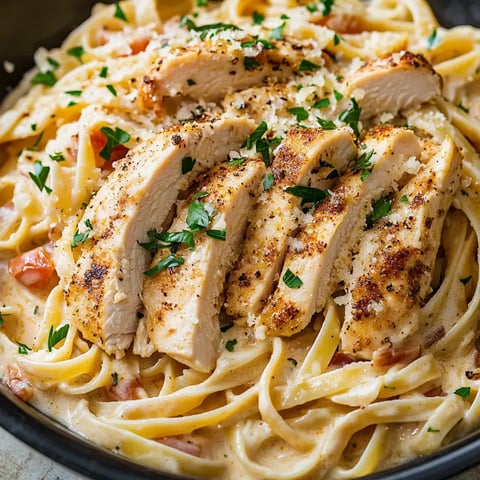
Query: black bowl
[47,24]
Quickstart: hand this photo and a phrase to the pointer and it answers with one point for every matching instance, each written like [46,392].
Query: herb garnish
[119,13]
[2,315]
[308,194]
[53,63]
[268,181]
[76,52]
[187,164]
[250,63]
[112,90]
[22,348]
[403,199]
[381,208]
[202,3]
[326,124]
[336,39]
[257,134]
[217,234]
[277,33]
[57,157]
[363,161]
[103,72]
[432,39]
[299,112]
[465,280]
[56,336]
[463,392]
[82,237]
[322,103]
[230,344]
[44,78]
[191,82]
[351,116]
[40,176]
[257,18]
[114,138]
[208,29]
[168,262]
[338,96]
[265,43]
[327,7]
[432,430]
[235,162]
[199,215]
[291,280]
[307,66]
[292,361]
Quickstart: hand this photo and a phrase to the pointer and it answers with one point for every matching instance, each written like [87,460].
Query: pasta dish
[239,239]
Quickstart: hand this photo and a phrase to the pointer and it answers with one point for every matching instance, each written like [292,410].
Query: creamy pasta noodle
[239,239]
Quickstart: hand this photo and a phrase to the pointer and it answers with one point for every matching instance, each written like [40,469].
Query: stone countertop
[20,462]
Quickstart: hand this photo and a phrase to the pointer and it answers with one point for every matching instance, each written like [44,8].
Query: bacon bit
[185,446]
[17,383]
[341,359]
[435,392]
[33,268]
[434,336]
[126,390]
[395,354]
[342,23]
[98,141]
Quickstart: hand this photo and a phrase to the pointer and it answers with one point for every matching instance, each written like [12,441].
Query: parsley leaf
[327,7]
[22,348]
[198,216]
[112,90]
[363,161]
[463,392]
[76,52]
[56,336]
[114,379]
[230,344]
[403,199]
[381,208]
[257,18]
[262,146]
[336,39]
[44,78]
[191,82]
[235,162]
[268,181]
[119,13]
[103,72]
[53,63]
[277,33]
[114,138]
[465,280]
[433,40]
[432,430]
[82,237]
[338,96]
[326,124]
[299,112]
[187,164]
[168,262]
[74,93]
[257,134]
[250,63]
[351,116]
[308,194]
[307,66]
[202,3]
[291,280]
[217,234]
[57,157]
[40,176]
[292,361]
[322,103]
[2,315]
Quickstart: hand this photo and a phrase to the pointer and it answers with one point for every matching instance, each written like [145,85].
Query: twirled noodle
[279,407]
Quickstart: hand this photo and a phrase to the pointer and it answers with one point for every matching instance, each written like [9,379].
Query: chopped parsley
[291,280]
[176,238]
[461,107]
[82,237]
[432,39]
[103,72]
[326,124]
[191,82]
[114,138]
[292,361]
[257,134]
[268,181]
[308,194]
[363,161]
[171,261]
[33,126]
[2,315]
[44,78]
[119,13]
[57,157]
[336,39]
[235,162]
[77,52]
[230,344]
[250,63]
[463,392]
[312,7]
[23,349]
[208,29]
[432,430]
[262,146]
[351,116]
[199,215]
[74,93]
[72,104]
[299,112]
[257,18]
[187,164]
[53,63]
[338,96]
[327,7]
[322,103]
[265,43]
[403,199]
[202,3]
[381,208]
[217,234]
[307,66]
[56,336]
[112,90]
[40,175]
[465,280]
[277,33]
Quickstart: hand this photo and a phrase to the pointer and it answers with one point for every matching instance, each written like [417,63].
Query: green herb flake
[312,7]
[351,116]
[114,138]
[236,162]
[230,344]
[119,13]
[202,3]
[72,104]
[57,157]
[191,82]
[327,7]
[53,63]
[257,18]
[404,199]
[463,392]
[322,103]
[114,382]
[465,280]
[299,112]
[33,126]
[171,261]
[177,238]
[187,164]
[307,66]
[257,134]
[336,39]
[23,349]
[56,336]
[326,124]
[217,234]
[103,72]
[268,181]
[433,40]
[292,361]
[461,107]
[308,194]
[277,33]
[198,216]
[262,146]
[250,63]
[2,317]
[77,52]
[44,78]
[365,174]
[284,17]
[381,208]
[112,90]
[40,175]
[291,280]
[432,430]
[363,161]
[83,236]
[338,96]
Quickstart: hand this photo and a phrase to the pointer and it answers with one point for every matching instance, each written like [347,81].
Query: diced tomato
[98,141]
[33,268]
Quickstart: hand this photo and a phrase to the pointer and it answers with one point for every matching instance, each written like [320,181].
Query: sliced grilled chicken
[214,67]
[183,303]
[392,271]
[334,230]
[297,162]
[103,294]
[400,81]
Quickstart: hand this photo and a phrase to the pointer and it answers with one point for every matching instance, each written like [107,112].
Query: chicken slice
[297,161]
[400,81]
[392,271]
[103,294]
[183,303]
[214,67]
[334,230]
